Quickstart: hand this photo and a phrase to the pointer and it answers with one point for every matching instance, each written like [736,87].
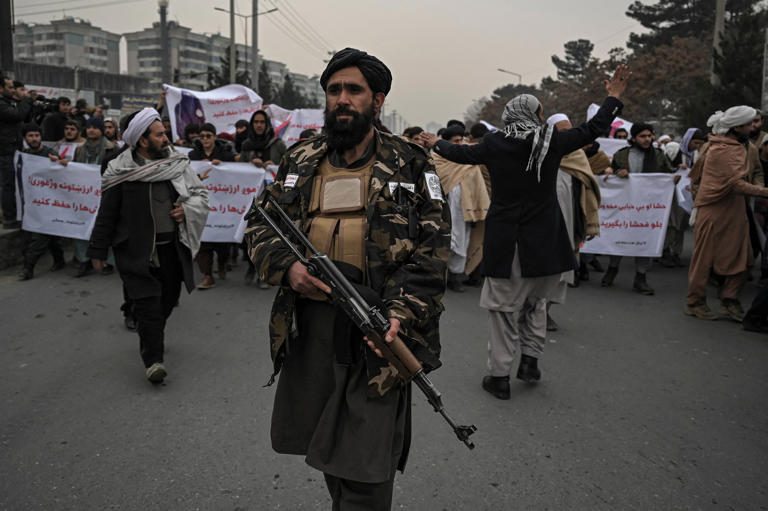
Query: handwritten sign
[231,190]
[58,200]
[634,214]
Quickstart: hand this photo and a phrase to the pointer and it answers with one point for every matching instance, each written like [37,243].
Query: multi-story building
[192,54]
[70,42]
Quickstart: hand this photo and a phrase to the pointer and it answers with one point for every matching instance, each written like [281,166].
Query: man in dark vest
[373,203]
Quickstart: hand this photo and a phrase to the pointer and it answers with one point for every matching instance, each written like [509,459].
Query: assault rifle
[370,319]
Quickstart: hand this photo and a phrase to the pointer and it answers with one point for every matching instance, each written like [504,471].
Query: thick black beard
[157,153]
[343,136]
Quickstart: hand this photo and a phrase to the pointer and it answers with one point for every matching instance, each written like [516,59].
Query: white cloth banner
[64,201]
[634,214]
[289,124]
[231,190]
[222,107]
[57,200]
[617,123]
[683,191]
[611,146]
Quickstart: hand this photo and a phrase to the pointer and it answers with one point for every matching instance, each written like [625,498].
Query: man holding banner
[640,158]
[153,211]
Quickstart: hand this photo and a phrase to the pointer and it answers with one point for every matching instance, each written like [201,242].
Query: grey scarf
[193,196]
[521,121]
[94,151]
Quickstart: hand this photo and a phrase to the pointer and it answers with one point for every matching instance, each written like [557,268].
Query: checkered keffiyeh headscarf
[521,120]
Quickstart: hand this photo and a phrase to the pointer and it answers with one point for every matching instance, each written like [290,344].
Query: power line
[285,30]
[45,4]
[311,28]
[123,2]
[303,21]
[299,31]
[299,34]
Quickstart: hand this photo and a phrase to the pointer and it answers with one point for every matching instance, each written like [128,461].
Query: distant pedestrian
[12,114]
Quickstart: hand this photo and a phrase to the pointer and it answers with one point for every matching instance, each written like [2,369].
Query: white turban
[139,125]
[665,138]
[722,122]
[554,119]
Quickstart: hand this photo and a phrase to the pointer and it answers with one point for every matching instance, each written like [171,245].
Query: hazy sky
[443,53]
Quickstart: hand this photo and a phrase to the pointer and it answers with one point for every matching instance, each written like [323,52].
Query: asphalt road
[640,408]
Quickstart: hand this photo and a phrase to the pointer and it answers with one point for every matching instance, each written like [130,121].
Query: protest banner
[683,191]
[67,150]
[289,124]
[231,190]
[611,146]
[634,214]
[56,199]
[222,107]
[617,123]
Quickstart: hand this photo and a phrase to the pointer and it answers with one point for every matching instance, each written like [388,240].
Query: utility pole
[6,35]
[255,68]
[714,79]
[165,43]
[764,106]
[232,46]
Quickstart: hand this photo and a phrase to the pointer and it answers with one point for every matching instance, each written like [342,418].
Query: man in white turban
[721,231]
[153,211]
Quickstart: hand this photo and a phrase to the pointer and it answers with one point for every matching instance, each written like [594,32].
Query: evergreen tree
[739,64]
[220,77]
[266,87]
[289,98]
[578,57]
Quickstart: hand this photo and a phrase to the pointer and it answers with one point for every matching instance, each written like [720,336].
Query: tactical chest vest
[337,212]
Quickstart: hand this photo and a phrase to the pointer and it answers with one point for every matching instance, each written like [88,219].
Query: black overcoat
[524,212]
[125,223]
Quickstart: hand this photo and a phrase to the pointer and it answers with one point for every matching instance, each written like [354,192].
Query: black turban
[640,127]
[452,131]
[377,74]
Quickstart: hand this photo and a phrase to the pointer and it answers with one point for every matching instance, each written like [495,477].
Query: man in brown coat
[721,229]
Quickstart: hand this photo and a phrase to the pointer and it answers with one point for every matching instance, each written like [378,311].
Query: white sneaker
[156,373]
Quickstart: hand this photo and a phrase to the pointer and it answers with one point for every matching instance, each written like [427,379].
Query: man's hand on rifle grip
[394,329]
[305,284]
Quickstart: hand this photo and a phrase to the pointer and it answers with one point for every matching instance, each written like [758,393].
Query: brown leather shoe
[700,311]
[207,282]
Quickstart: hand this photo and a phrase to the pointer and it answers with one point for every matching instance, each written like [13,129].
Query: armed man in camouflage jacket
[373,203]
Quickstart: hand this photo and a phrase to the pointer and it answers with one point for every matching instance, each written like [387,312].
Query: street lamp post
[232,47]
[165,46]
[518,75]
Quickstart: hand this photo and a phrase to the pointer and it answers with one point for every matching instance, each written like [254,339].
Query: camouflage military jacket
[407,246]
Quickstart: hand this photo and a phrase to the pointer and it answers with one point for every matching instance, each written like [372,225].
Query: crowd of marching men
[65,132]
